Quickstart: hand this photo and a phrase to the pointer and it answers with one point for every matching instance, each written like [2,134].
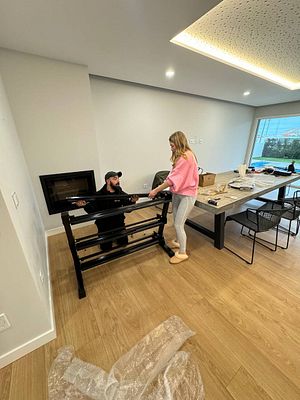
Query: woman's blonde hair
[181,146]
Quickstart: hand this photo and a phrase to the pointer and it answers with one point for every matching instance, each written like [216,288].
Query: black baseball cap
[110,174]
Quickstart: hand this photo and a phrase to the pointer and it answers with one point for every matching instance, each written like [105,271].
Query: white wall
[53,111]
[134,122]
[23,296]
[277,110]
[51,104]
[47,126]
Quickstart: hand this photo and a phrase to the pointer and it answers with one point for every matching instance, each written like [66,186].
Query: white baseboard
[26,348]
[55,231]
[51,306]
[61,229]
[40,340]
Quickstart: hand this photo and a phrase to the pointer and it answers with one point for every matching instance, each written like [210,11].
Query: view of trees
[277,142]
[282,148]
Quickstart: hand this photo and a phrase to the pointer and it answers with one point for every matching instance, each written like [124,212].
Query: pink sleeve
[175,178]
[178,175]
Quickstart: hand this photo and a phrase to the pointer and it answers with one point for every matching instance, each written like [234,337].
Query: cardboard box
[207,179]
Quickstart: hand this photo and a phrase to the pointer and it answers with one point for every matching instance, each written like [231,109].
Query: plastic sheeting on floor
[153,369]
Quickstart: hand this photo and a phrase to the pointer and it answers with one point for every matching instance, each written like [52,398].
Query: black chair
[295,201]
[257,221]
[292,214]
[159,178]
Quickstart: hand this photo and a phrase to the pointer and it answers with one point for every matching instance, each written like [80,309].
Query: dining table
[230,190]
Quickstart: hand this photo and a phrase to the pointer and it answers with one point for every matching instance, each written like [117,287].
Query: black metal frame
[289,231]
[258,220]
[283,229]
[295,201]
[83,263]
[291,215]
[218,234]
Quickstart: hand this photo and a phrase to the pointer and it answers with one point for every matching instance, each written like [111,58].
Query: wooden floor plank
[280,344]
[5,380]
[28,380]
[246,320]
[243,386]
[266,374]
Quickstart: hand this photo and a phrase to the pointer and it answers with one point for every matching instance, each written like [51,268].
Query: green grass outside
[276,159]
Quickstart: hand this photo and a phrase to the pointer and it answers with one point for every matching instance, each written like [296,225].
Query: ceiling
[258,37]
[130,40]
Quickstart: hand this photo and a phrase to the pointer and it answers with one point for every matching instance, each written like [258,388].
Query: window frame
[254,130]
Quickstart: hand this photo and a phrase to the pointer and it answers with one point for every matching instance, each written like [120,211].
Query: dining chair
[295,200]
[292,214]
[258,221]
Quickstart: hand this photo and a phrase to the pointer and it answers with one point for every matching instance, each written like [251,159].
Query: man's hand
[134,198]
[81,203]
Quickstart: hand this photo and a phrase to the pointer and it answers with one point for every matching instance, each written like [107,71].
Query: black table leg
[281,193]
[219,230]
[217,234]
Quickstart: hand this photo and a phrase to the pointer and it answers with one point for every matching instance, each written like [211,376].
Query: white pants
[182,206]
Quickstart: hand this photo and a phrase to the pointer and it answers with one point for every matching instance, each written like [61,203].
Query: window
[277,143]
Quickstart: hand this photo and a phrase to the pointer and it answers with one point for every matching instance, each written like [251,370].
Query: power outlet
[4,323]
[193,140]
[145,185]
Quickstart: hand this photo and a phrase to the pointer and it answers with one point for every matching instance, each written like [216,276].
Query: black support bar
[111,212]
[116,196]
[85,262]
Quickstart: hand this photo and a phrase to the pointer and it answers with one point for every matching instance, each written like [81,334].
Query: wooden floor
[246,319]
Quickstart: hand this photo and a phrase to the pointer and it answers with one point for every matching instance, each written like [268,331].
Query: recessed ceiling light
[170,73]
[246,93]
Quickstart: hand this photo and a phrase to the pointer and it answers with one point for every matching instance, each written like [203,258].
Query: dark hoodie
[112,222]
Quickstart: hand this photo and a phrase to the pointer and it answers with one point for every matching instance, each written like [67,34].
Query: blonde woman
[183,183]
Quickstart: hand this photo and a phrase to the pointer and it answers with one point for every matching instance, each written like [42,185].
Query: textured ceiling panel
[263,33]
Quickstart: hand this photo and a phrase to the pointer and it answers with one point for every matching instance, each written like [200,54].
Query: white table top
[263,184]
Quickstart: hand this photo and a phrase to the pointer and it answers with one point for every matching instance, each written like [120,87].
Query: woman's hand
[153,193]
[158,189]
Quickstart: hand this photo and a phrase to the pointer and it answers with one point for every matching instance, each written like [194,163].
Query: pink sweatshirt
[184,176]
